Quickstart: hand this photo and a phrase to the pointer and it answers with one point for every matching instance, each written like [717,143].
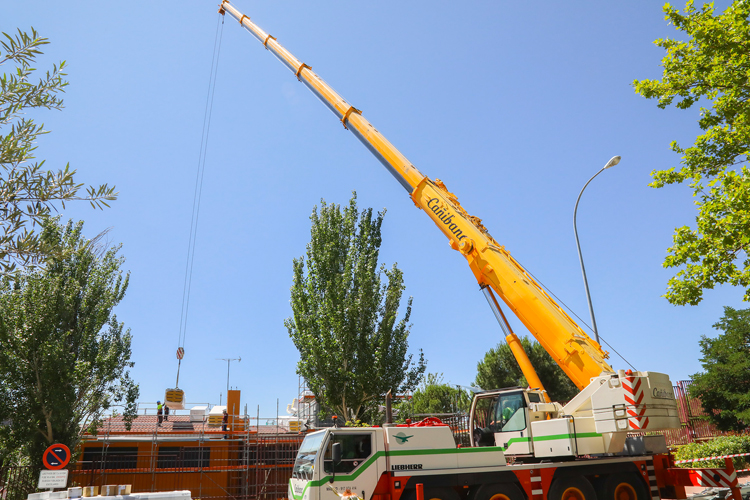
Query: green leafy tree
[28,192]
[64,357]
[435,396]
[499,369]
[710,68]
[724,385]
[352,348]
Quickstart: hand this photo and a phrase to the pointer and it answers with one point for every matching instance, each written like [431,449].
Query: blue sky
[514,105]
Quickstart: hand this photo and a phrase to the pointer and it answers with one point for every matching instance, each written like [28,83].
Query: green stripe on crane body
[554,437]
[393,453]
[443,451]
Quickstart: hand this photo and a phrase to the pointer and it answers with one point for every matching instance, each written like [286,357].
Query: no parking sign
[56,456]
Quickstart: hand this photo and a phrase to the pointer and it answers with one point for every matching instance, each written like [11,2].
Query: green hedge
[724,445]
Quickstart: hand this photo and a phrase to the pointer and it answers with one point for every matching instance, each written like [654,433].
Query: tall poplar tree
[353,348]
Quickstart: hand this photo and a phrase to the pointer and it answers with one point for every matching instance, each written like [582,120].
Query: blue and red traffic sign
[56,456]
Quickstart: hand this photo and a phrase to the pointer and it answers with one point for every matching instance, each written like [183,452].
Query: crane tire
[624,486]
[571,488]
[498,491]
[440,494]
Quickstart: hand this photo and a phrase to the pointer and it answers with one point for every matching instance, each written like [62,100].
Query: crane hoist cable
[197,194]
[580,320]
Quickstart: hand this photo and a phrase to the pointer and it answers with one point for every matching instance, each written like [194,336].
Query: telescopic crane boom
[580,357]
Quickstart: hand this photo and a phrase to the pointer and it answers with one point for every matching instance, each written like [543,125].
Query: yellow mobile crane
[610,403]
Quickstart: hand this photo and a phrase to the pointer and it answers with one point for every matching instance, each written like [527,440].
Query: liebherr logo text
[446,218]
[406,467]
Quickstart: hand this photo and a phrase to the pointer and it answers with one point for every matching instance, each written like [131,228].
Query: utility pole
[228,360]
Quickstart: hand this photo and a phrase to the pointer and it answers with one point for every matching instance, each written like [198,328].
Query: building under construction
[192,452]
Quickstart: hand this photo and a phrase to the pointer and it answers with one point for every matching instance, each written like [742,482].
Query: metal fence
[459,424]
[692,417]
[17,482]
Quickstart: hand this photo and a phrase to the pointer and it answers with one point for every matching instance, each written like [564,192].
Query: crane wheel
[624,486]
[571,488]
[440,494]
[498,491]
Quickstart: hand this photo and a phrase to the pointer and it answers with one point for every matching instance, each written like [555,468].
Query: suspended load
[175,398]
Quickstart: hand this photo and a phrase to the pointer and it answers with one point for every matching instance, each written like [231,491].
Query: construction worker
[166,412]
[225,423]
[159,412]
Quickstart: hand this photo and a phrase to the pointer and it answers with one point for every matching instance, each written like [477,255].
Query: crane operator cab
[503,418]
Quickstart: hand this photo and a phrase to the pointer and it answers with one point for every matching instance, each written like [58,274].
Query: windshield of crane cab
[303,465]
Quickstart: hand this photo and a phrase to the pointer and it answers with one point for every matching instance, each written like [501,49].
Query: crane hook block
[349,111]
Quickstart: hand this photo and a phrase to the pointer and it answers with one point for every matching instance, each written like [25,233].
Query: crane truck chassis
[387,463]
[579,451]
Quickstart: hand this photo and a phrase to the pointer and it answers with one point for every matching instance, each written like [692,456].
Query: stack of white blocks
[77,492]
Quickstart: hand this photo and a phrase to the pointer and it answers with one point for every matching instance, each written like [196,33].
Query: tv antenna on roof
[229,360]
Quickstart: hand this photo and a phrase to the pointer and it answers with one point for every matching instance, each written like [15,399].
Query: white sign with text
[53,479]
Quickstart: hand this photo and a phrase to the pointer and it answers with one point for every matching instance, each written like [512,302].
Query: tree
[724,385]
[64,357]
[435,396]
[352,349]
[710,67]
[499,369]
[28,192]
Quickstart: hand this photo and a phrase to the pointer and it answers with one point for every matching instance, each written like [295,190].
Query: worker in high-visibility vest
[159,412]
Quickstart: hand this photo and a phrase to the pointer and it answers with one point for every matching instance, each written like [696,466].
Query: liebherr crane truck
[579,451]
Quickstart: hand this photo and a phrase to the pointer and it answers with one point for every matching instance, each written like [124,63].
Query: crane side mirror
[336,459]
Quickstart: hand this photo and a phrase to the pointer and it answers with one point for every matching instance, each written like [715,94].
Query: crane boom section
[580,357]
[407,175]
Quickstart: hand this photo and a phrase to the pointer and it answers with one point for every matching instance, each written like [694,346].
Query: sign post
[55,458]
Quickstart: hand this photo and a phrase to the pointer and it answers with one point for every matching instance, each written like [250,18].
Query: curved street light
[611,163]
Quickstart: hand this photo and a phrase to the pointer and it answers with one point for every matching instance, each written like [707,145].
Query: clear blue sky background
[513,104]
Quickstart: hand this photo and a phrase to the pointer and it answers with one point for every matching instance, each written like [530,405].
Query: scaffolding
[249,460]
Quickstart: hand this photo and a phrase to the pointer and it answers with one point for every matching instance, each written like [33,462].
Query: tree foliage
[64,357]
[724,384]
[28,192]
[711,67]
[435,396]
[499,369]
[352,348]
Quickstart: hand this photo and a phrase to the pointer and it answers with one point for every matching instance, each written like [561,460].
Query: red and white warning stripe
[652,480]
[634,397]
[537,492]
[710,458]
[713,478]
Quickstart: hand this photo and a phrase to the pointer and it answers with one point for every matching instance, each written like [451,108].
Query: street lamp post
[611,163]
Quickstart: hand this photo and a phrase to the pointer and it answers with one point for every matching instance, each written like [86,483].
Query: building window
[173,457]
[110,458]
